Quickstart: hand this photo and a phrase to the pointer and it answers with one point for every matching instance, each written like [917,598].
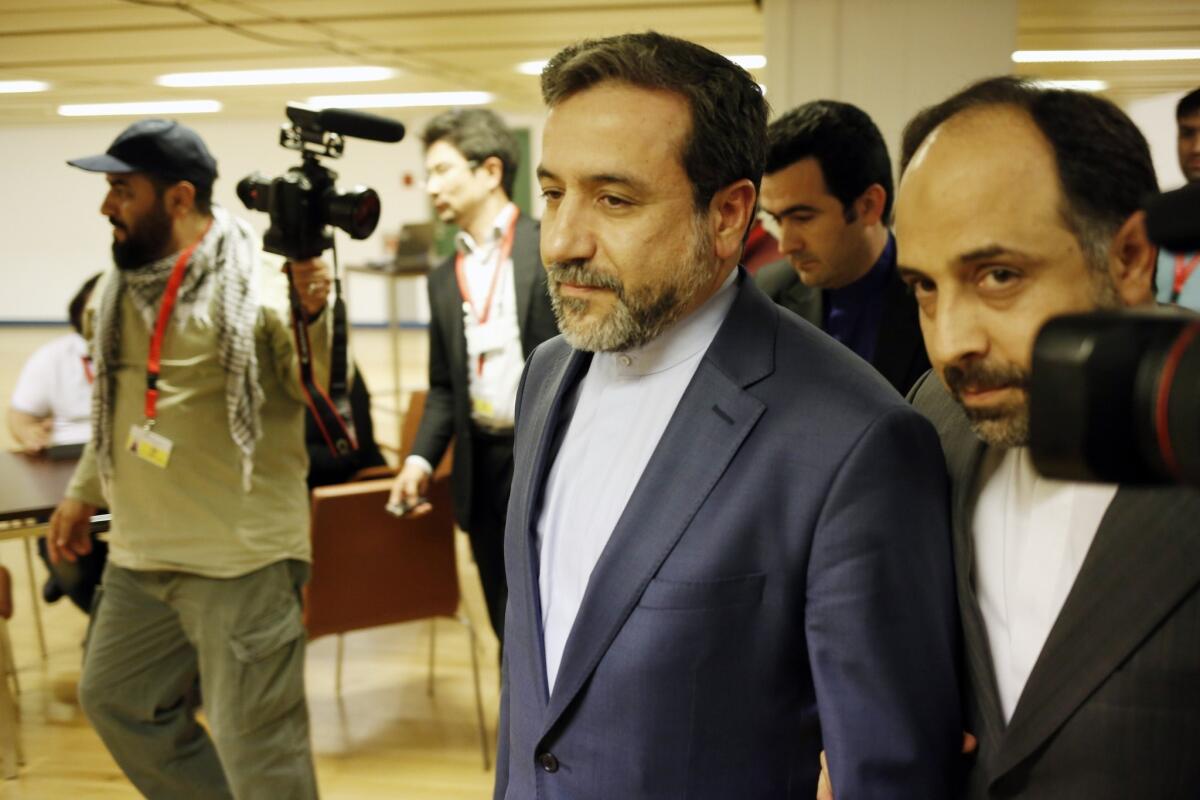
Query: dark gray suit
[899,350]
[482,464]
[778,582]
[1112,707]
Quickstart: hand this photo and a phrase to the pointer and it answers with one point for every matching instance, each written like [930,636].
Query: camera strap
[330,411]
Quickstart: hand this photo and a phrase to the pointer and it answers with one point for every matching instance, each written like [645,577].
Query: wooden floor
[384,737]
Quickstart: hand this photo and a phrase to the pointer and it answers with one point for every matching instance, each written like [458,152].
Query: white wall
[56,237]
[1155,116]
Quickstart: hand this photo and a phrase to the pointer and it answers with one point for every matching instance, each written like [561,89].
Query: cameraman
[209,545]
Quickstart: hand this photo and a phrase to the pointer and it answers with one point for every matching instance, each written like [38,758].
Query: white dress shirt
[56,382]
[622,406]
[494,357]
[1031,535]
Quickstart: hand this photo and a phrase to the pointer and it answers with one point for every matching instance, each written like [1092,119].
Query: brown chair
[371,569]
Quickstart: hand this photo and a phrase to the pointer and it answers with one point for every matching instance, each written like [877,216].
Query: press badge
[149,446]
[487,338]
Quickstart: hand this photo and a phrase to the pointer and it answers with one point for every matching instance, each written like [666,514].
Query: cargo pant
[153,634]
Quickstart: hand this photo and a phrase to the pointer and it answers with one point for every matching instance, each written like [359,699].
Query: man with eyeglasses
[489,308]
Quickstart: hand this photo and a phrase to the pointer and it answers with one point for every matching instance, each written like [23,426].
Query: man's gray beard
[636,317]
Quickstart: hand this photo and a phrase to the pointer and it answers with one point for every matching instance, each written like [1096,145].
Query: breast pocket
[741,590]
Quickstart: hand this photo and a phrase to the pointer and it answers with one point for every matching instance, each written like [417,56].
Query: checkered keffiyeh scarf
[220,281]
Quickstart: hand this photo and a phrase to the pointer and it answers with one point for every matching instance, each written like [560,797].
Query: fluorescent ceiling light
[532,67]
[401,100]
[1075,85]
[139,109]
[1091,56]
[752,61]
[21,87]
[271,77]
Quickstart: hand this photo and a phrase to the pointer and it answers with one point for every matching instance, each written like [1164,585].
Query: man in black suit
[489,309]
[1079,602]
[828,186]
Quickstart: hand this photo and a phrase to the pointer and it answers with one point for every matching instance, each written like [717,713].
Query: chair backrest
[370,568]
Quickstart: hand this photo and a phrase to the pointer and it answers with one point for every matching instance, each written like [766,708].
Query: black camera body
[304,202]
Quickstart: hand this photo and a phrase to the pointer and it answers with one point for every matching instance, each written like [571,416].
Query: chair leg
[337,674]
[432,647]
[35,604]
[10,732]
[483,741]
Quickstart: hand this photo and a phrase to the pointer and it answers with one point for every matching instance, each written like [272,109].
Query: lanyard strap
[154,358]
[1184,267]
[503,253]
[87,369]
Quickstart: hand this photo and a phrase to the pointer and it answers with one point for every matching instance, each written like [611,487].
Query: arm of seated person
[32,434]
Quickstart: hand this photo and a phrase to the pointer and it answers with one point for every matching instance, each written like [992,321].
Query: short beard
[150,241]
[1005,426]
[637,316]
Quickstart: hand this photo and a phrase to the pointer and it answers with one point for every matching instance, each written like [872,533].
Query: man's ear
[1131,262]
[732,211]
[494,168]
[180,198]
[868,206]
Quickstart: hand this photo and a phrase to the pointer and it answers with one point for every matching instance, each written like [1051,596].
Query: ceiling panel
[111,50]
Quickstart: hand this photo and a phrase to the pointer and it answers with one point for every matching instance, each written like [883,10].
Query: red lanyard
[1184,267]
[154,358]
[87,369]
[502,256]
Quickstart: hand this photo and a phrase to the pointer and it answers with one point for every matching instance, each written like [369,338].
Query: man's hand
[31,433]
[313,281]
[825,787]
[69,535]
[409,488]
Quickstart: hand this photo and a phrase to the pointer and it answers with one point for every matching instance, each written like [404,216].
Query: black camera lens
[356,211]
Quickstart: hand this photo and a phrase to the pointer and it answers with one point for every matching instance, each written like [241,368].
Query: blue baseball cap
[160,147]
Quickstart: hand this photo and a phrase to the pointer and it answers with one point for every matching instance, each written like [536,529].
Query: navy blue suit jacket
[779,582]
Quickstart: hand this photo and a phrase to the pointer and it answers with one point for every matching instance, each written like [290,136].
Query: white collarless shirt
[1031,535]
[622,406]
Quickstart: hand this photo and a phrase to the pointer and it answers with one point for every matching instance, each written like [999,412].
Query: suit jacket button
[548,762]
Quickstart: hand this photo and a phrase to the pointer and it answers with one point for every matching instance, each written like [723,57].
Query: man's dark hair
[479,134]
[1104,165]
[203,197]
[729,115]
[1189,104]
[79,303]
[846,144]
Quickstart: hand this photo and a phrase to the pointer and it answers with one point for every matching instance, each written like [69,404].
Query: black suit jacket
[1112,707]
[899,351]
[448,406]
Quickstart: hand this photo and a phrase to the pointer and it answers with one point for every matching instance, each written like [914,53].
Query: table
[31,487]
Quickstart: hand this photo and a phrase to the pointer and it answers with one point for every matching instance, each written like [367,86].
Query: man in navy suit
[670,633]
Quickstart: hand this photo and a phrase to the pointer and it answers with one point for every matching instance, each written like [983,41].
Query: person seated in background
[51,407]
[52,402]
[326,468]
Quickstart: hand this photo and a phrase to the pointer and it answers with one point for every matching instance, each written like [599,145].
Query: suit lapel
[1144,560]
[546,419]
[899,334]
[965,453]
[714,417]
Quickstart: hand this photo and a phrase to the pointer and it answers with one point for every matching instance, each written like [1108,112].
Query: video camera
[303,202]
[1115,395]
